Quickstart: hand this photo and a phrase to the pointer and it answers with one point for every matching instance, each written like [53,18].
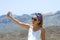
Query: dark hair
[41,19]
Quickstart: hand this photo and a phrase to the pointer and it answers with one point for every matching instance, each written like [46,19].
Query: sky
[19,7]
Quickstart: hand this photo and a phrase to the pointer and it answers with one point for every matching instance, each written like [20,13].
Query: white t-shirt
[34,35]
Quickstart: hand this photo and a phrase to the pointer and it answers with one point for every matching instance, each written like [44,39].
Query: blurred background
[23,10]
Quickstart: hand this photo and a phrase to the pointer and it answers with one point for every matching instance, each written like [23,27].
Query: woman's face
[35,20]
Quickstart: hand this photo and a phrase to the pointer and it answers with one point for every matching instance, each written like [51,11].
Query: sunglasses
[34,19]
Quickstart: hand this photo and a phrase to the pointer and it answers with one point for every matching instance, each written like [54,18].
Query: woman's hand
[9,15]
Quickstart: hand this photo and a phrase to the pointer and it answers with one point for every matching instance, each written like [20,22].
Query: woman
[36,30]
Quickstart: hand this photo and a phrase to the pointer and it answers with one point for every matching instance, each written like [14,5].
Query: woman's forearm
[14,20]
[17,21]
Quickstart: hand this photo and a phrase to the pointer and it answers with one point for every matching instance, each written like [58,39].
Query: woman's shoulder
[30,26]
[43,29]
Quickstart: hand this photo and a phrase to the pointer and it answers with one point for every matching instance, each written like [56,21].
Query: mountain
[12,31]
[48,20]
[24,18]
[3,19]
[53,19]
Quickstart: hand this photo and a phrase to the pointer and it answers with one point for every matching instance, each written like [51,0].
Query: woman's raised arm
[17,21]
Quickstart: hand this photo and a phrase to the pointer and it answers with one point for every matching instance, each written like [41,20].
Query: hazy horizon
[20,7]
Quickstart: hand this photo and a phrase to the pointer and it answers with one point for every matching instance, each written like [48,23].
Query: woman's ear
[38,22]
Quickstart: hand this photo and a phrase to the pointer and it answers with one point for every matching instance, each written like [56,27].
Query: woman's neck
[36,27]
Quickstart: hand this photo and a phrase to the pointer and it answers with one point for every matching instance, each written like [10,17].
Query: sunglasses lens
[34,19]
